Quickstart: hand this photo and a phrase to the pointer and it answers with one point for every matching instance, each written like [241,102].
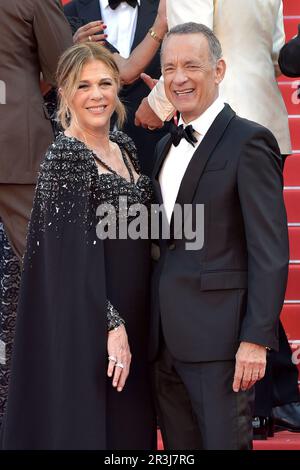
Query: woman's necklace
[98,152]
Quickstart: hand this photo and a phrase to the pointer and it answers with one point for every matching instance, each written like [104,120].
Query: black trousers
[197,408]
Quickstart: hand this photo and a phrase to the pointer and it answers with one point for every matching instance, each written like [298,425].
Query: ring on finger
[112,358]
[120,364]
[90,38]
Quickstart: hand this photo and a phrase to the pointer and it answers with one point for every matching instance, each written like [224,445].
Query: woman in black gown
[80,295]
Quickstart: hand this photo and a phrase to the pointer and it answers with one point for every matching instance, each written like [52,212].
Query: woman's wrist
[159,27]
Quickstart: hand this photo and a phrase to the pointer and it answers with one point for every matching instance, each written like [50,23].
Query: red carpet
[281,441]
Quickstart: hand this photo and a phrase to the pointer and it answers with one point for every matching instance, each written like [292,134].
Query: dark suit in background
[131,95]
[34,33]
[289,57]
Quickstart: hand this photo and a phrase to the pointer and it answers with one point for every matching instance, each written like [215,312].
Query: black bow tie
[115,3]
[179,132]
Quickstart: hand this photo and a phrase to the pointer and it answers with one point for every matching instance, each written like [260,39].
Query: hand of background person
[149,81]
[90,32]
[146,117]
[119,353]
[250,365]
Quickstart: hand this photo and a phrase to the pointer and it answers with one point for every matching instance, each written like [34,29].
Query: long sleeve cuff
[159,102]
[113,318]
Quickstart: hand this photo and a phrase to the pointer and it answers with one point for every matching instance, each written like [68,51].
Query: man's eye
[82,86]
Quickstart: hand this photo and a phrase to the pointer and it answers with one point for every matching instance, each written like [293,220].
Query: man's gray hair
[197,28]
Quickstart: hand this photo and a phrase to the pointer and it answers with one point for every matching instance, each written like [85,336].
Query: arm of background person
[131,67]
[278,40]
[141,56]
[179,11]
[183,11]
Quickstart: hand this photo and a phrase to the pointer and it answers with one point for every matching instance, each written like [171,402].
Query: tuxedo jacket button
[172,246]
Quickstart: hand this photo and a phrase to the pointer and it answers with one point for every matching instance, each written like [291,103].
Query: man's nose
[179,76]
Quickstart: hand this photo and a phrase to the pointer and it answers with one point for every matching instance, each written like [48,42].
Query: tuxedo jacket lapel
[163,148]
[89,10]
[201,156]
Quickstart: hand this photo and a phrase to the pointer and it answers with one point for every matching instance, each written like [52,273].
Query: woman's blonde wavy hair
[68,76]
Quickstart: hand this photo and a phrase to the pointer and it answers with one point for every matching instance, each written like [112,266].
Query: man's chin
[186,113]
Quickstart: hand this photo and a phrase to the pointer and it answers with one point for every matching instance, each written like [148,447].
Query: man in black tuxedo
[131,95]
[215,309]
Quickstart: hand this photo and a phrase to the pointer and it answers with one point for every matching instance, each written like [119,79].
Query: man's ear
[220,70]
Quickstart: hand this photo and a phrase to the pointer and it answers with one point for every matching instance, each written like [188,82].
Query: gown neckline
[111,171]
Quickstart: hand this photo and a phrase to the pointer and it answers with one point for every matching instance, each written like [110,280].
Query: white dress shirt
[178,158]
[121,25]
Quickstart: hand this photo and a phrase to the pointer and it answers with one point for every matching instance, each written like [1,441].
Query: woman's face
[95,98]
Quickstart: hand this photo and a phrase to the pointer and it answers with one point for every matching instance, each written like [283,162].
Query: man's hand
[119,357]
[90,32]
[250,366]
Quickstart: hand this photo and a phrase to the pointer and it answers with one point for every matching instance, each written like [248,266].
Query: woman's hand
[90,32]
[119,356]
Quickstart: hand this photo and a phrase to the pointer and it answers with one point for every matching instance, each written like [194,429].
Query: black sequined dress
[59,395]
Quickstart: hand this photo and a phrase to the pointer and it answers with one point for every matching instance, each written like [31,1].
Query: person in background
[82,294]
[289,57]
